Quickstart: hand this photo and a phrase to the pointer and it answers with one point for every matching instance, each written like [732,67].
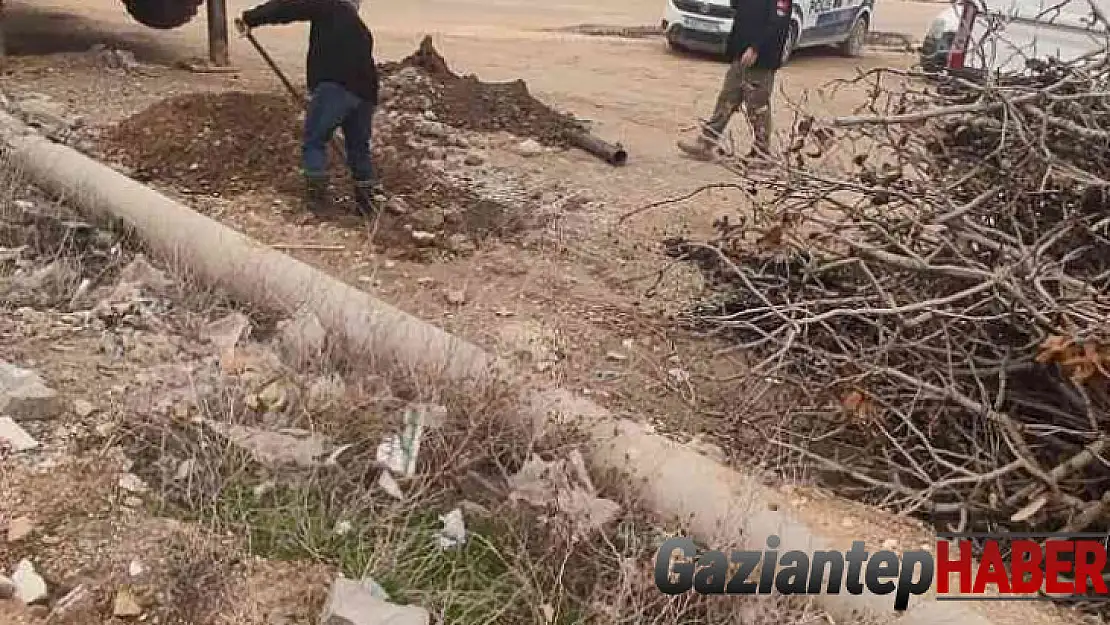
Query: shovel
[297,95]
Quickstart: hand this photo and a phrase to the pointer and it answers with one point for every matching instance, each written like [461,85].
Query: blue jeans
[331,107]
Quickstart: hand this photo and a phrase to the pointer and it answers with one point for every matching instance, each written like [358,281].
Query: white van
[703,25]
[1010,32]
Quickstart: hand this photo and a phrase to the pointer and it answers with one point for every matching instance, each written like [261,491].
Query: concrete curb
[721,506]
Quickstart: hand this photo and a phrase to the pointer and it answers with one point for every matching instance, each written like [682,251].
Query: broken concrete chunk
[565,485]
[133,484]
[14,436]
[83,408]
[529,148]
[125,604]
[226,331]
[24,395]
[19,529]
[287,447]
[360,603]
[79,601]
[30,588]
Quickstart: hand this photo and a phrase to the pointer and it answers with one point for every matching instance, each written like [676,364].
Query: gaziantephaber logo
[1009,567]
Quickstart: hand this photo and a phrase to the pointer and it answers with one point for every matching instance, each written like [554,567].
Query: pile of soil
[234,142]
[224,143]
[468,103]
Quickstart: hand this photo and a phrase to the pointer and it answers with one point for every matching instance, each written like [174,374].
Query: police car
[703,25]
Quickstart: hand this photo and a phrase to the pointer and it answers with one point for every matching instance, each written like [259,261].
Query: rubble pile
[468,103]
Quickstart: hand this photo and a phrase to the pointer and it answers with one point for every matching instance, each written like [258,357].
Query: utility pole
[218,48]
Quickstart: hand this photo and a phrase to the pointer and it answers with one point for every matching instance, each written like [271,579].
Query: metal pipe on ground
[722,507]
[615,155]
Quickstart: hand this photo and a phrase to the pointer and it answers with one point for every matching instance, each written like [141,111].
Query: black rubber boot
[367,196]
[317,198]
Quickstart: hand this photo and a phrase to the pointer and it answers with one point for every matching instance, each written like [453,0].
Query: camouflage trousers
[751,88]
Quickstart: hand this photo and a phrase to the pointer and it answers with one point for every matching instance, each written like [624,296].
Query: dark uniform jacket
[340,47]
[763,25]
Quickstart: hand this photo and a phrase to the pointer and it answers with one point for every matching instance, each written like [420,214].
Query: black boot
[317,198]
[367,194]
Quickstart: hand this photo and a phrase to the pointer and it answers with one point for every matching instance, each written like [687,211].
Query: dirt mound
[468,103]
[234,142]
[213,143]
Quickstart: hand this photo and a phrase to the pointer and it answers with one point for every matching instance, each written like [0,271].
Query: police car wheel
[853,45]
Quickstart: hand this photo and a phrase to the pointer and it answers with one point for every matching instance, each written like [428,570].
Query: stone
[275,397]
[125,604]
[360,603]
[473,159]
[19,529]
[429,128]
[24,395]
[226,331]
[135,569]
[422,238]
[30,587]
[11,434]
[83,408]
[7,588]
[436,153]
[428,218]
[285,447]
[132,484]
[79,601]
[460,243]
[455,297]
[529,148]
[397,206]
[44,112]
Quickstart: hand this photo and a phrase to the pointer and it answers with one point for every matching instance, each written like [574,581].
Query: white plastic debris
[399,453]
[29,585]
[453,533]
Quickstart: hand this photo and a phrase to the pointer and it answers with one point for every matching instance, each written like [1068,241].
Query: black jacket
[763,25]
[340,47]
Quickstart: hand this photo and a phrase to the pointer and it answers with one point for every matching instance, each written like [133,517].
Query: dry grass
[520,565]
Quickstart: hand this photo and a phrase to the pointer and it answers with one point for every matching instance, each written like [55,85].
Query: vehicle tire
[791,42]
[857,38]
[162,14]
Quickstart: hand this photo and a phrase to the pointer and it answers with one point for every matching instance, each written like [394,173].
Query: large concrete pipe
[721,507]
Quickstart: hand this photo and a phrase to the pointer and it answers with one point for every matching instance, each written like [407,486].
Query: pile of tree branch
[933,320]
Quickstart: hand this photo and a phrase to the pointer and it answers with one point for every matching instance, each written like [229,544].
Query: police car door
[828,20]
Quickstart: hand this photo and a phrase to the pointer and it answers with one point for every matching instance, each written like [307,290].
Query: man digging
[755,45]
[343,83]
